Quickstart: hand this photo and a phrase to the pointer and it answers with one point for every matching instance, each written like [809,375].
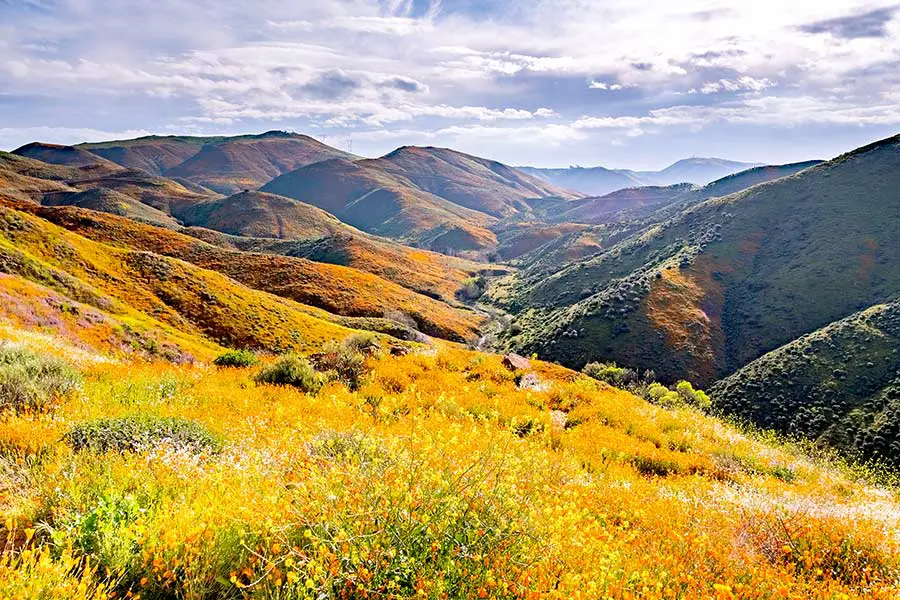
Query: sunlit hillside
[434,473]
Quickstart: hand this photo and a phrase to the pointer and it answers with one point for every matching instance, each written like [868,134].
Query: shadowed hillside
[839,385]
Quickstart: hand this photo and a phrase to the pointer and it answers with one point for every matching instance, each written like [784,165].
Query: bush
[365,343]
[294,371]
[236,358]
[32,383]
[610,373]
[346,362]
[659,394]
[692,397]
[138,433]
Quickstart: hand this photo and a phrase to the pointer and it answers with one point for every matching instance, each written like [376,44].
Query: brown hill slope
[258,214]
[336,289]
[153,154]
[431,273]
[68,156]
[248,162]
[225,164]
[477,183]
[112,202]
[367,197]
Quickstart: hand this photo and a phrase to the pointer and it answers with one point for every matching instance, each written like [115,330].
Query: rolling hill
[226,165]
[477,183]
[371,199]
[67,156]
[257,214]
[839,385]
[339,290]
[129,285]
[703,293]
[433,274]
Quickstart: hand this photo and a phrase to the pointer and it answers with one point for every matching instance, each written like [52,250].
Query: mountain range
[598,181]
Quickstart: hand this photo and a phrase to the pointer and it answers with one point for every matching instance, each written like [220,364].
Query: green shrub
[236,358]
[294,371]
[365,343]
[611,373]
[32,383]
[345,362]
[138,433]
[659,394]
[692,397]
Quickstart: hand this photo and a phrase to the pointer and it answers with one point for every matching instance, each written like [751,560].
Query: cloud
[872,24]
[511,74]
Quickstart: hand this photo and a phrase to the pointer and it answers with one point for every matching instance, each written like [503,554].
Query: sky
[619,83]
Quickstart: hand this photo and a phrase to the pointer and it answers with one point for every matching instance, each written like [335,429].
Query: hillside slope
[839,385]
[369,198]
[258,214]
[226,165]
[430,273]
[186,298]
[336,289]
[476,183]
[706,292]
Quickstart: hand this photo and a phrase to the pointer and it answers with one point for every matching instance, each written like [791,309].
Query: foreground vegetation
[414,471]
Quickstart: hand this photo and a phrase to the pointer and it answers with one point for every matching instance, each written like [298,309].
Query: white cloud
[460,68]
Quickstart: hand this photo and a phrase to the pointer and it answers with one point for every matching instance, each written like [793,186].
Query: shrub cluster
[139,433]
[346,362]
[32,383]
[294,371]
[236,358]
[645,386]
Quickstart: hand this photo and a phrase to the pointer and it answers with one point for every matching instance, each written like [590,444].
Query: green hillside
[839,385]
[706,292]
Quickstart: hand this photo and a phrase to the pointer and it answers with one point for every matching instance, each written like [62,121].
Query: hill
[68,156]
[336,289]
[369,198]
[600,181]
[248,162]
[430,273]
[477,183]
[226,165]
[122,282]
[657,300]
[839,385]
[112,202]
[697,170]
[257,214]
[620,205]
